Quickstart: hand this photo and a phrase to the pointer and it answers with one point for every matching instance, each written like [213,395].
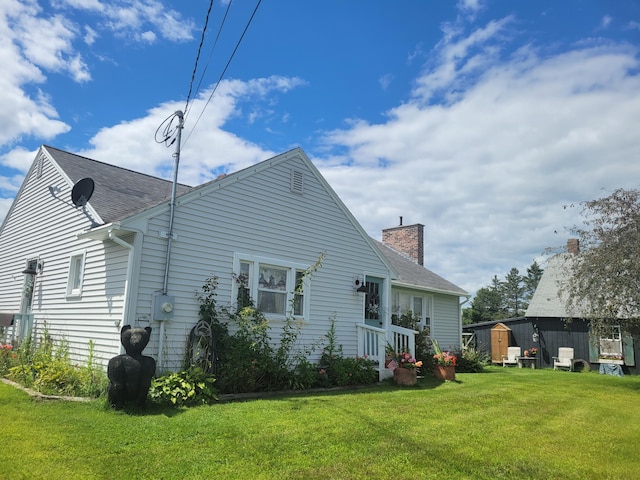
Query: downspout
[127,283]
[460,319]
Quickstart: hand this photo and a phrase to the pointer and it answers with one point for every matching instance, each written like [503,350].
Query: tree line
[506,298]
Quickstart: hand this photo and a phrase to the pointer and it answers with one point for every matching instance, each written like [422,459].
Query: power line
[195,67]
[204,71]
[225,70]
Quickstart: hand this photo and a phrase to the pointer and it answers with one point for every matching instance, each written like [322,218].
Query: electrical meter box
[163,306]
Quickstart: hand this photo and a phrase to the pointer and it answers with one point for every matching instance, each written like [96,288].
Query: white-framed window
[275,287]
[76,274]
[418,305]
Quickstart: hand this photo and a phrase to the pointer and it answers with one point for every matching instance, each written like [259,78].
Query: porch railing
[372,342]
[22,326]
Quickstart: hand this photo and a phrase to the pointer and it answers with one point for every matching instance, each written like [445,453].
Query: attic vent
[40,166]
[297,182]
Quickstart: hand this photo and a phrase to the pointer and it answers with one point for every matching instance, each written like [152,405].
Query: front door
[372,303]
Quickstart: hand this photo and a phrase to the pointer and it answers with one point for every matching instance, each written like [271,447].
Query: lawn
[506,423]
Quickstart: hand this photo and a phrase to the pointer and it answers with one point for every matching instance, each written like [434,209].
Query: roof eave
[430,289]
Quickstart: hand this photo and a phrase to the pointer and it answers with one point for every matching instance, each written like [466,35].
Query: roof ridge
[110,165]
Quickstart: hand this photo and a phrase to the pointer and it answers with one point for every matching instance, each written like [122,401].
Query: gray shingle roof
[119,192]
[546,301]
[410,273]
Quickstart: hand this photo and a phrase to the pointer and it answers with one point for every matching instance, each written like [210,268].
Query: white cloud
[386,80]
[489,172]
[132,19]
[451,59]
[90,35]
[131,144]
[23,113]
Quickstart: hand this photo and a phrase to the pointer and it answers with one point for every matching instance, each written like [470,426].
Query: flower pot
[444,372]
[405,376]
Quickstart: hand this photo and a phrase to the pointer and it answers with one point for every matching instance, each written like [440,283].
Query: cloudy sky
[480,119]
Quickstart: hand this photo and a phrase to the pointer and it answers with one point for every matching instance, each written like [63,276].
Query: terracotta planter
[444,372]
[405,376]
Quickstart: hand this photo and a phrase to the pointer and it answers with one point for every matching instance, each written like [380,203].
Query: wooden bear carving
[130,374]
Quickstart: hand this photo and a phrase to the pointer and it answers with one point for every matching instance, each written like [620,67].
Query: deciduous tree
[605,276]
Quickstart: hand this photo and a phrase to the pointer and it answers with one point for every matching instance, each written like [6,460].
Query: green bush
[340,370]
[186,388]
[46,367]
[471,361]
[248,361]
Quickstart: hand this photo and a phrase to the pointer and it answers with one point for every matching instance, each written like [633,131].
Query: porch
[372,343]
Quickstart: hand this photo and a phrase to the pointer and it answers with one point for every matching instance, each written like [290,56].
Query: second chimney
[407,239]
[573,245]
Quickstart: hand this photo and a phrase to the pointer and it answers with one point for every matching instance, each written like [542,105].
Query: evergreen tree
[534,274]
[513,292]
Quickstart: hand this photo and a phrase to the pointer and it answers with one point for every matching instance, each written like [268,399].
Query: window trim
[292,268]
[75,271]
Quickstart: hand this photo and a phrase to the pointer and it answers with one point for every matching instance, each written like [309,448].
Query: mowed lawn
[506,423]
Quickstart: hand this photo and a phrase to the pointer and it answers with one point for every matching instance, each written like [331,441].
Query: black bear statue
[130,374]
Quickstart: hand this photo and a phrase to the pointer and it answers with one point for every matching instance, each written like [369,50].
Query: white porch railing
[372,342]
[22,327]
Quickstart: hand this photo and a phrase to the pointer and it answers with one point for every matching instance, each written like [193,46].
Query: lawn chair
[511,358]
[564,359]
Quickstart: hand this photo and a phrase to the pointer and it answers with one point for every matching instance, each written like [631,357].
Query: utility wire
[204,71]
[195,67]
[224,71]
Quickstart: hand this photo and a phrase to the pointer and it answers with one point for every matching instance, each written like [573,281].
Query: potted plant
[405,368]
[444,363]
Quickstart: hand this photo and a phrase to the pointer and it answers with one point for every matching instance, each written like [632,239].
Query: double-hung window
[276,288]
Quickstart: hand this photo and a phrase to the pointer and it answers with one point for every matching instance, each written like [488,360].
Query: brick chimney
[408,239]
[573,245]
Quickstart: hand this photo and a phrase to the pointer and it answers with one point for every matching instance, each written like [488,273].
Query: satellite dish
[82,191]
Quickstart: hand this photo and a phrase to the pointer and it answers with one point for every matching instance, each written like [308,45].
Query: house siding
[257,214]
[45,226]
[447,324]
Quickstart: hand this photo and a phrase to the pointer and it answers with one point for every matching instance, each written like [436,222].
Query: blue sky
[479,119]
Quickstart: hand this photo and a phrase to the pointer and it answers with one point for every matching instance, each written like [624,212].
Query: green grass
[507,423]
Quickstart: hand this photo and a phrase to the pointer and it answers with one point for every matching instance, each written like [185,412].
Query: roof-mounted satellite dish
[82,191]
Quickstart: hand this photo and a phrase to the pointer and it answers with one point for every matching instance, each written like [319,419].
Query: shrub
[188,387]
[341,371]
[46,367]
[247,361]
[471,361]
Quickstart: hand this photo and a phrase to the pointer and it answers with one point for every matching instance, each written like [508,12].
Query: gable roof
[546,300]
[119,192]
[410,274]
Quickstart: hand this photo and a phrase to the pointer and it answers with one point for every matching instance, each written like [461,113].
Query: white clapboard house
[85,248]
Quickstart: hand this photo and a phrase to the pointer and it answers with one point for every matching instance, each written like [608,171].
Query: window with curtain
[276,288]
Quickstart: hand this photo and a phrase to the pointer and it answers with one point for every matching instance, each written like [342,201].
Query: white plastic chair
[564,359]
[511,358]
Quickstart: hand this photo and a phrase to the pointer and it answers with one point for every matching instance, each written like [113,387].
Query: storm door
[373,303]
[25,317]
